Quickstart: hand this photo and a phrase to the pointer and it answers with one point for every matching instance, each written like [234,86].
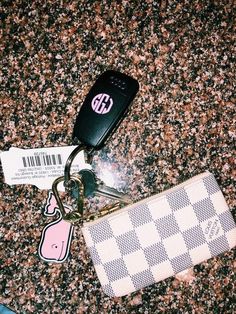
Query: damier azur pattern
[160,236]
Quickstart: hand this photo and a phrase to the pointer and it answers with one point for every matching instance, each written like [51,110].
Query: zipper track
[159,195]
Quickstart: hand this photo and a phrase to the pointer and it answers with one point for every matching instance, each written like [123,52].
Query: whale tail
[51,205]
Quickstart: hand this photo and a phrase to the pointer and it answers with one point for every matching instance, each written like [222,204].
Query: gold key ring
[67,176]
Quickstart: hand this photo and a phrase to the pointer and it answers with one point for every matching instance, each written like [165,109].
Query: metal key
[94,186]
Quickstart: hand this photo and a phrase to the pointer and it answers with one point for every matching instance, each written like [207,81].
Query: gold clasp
[75,215]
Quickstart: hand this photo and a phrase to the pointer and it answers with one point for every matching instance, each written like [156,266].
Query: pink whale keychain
[56,236]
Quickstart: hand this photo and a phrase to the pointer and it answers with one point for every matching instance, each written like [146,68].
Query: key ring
[71,181]
[70,159]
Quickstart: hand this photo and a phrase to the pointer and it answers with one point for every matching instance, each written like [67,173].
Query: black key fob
[104,107]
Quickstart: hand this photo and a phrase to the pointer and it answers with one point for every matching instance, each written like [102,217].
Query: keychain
[103,109]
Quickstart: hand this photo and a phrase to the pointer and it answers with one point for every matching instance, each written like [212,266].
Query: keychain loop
[70,159]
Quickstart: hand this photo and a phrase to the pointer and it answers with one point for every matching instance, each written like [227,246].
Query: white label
[39,166]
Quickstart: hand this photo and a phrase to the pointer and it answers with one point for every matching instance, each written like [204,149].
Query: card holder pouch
[160,236]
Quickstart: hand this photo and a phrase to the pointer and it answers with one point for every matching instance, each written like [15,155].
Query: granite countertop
[181,123]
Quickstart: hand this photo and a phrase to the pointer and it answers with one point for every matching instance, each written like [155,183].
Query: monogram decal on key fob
[104,107]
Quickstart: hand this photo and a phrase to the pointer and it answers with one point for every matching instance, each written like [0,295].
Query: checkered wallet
[160,236]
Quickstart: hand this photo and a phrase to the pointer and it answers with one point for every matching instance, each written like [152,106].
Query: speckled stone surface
[181,123]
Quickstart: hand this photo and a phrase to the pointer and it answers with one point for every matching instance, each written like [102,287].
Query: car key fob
[104,107]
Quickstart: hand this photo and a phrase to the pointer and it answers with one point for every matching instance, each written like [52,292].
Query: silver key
[95,186]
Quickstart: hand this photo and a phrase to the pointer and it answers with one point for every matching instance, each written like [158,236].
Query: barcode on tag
[42,160]
[39,166]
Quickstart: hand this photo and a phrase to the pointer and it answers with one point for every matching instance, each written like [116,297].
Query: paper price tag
[39,166]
